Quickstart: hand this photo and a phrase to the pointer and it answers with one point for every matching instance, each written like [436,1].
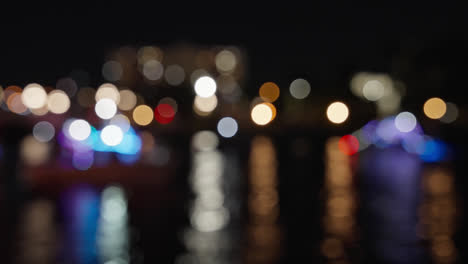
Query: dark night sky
[423,45]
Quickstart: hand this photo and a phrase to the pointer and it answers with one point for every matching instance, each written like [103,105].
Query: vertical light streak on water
[37,238]
[263,232]
[339,218]
[81,208]
[438,214]
[390,196]
[113,233]
[210,238]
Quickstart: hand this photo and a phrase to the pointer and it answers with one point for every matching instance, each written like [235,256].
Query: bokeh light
[111,135]
[107,90]
[40,111]
[261,114]
[451,114]
[112,70]
[170,101]
[228,86]
[58,102]
[79,129]
[348,144]
[128,100]
[153,70]
[205,86]
[34,152]
[121,121]
[34,96]
[377,81]
[225,61]
[205,105]
[147,141]
[373,90]
[273,110]
[86,97]
[434,108]
[148,53]
[227,127]
[10,90]
[83,160]
[433,151]
[337,112]
[68,85]
[174,75]
[197,74]
[205,140]
[15,104]
[43,131]
[299,88]
[143,115]
[405,122]
[164,113]
[269,92]
[105,108]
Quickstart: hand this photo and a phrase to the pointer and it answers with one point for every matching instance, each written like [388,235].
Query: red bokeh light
[348,144]
[164,113]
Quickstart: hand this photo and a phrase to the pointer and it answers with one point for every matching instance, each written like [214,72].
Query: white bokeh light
[205,86]
[337,112]
[106,108]
[227,127]
[261,114]
[43,131]
[405,122]
[373,90]
[225,61]
[107,90]
[34,96]
[111,135]
[79,129]
[299,88]
[58,102]
[205,140]
[153,70]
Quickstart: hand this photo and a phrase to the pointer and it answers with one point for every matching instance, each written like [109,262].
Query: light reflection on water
[390,195]
[388,211]
[264,234]
[214,211]
[340,204]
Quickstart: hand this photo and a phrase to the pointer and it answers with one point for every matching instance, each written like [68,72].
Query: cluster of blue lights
[384,133]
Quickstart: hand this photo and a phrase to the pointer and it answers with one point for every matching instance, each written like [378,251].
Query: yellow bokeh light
[269,92]
[261,114]
[337,112]
[143,115]
[273,110]
[435,108]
